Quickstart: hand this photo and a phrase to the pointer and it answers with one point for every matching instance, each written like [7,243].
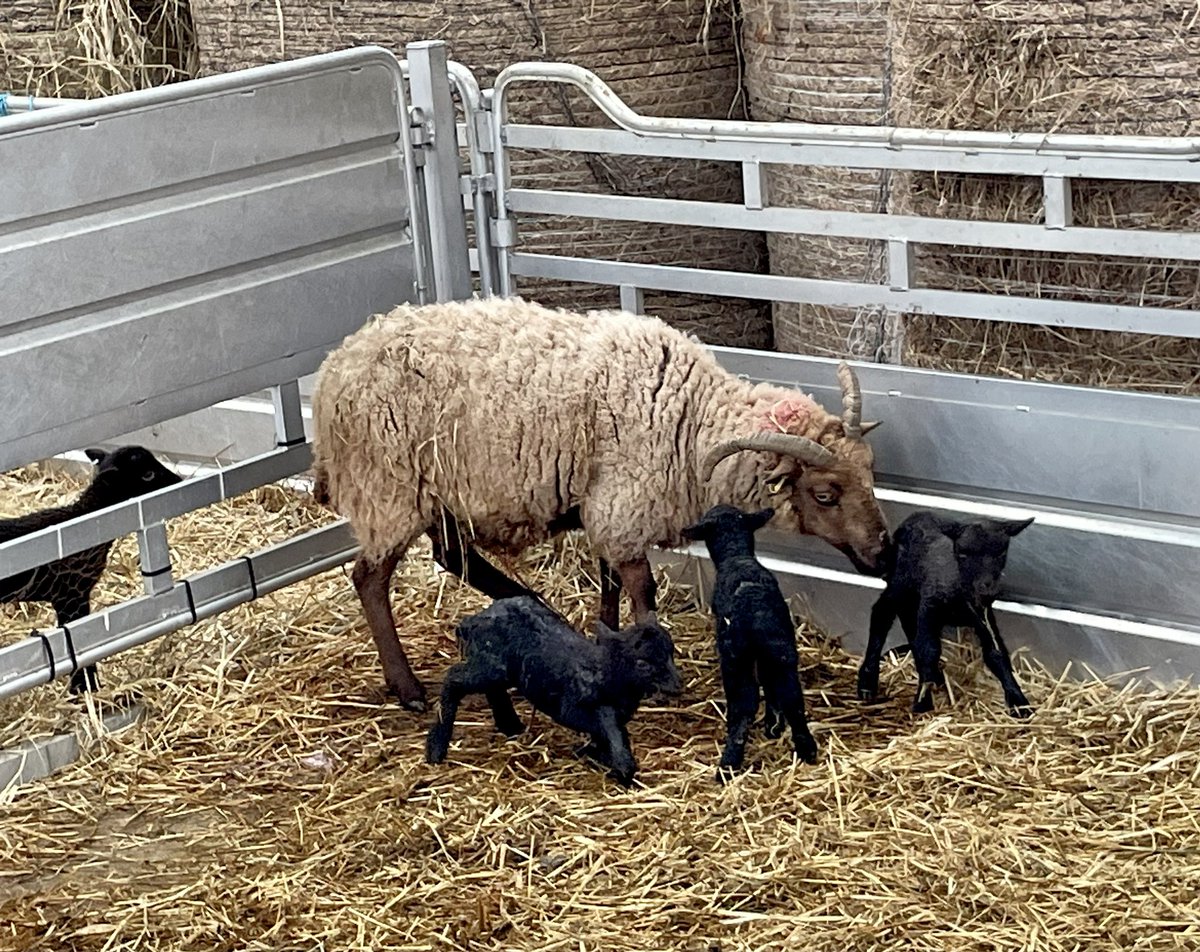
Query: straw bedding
[664,57]
[272,799]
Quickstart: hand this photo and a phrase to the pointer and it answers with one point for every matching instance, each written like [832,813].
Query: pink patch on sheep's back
[789,415]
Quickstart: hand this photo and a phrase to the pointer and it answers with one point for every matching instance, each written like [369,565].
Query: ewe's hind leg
[781,687]
[372,580]
[465,562]
[998,661]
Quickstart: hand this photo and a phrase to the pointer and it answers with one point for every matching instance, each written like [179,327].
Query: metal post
[754,185]
[1056,201]
[155,557]
[289,418]
[429,84]
[633,299]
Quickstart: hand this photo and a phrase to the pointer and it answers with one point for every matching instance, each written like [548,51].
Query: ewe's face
[837,503]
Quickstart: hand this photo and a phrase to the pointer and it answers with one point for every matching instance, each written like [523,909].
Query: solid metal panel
[201,130]
[1134,451]
[191,348]
[844,224]
[79,262]
[994,307]
[840,604]
[859,155]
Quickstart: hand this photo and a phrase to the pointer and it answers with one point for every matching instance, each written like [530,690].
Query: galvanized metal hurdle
[278,209]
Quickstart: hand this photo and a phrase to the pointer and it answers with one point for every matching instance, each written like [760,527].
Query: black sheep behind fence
[67,583]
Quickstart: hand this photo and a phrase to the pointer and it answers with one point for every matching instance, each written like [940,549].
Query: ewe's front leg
[999,662]
[638,580]
[610,596]
[372,580]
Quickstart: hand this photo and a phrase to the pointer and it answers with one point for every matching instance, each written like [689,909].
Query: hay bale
[1019,65]
[654,55]
[88,48]
[821,61]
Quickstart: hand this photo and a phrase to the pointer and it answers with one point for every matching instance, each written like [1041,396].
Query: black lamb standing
[593,687]
[756,638]
[67,583]
[943,573]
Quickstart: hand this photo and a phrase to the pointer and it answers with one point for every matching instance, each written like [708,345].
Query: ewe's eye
[825,497]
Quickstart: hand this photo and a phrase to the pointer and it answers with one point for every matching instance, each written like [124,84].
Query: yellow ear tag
[775,486]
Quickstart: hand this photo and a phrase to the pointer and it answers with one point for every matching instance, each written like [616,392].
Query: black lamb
[67,583]
[943,572]
[593,687]
[756,638]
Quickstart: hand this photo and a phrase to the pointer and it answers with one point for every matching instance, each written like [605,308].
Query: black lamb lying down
[593,687]
[943,572]
[67,584]
[756,638]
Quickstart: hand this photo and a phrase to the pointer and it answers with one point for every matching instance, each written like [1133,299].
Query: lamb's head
[981,551]
[647,654]
[820,477]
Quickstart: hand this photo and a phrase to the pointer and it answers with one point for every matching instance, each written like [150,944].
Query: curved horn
[785,444]
[851,402]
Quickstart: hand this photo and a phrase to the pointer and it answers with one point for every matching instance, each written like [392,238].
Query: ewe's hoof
[409,699]
[416,705]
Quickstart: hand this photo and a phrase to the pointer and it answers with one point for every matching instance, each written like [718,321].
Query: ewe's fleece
[508,414]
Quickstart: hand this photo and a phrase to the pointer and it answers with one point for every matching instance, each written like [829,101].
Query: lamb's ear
[756,520]
[95,455]
[1014,526]
[694,533]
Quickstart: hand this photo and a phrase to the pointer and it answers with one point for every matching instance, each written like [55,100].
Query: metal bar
[429,83]
[860,155]
[137,621]
[289,414]
[81,533]
[977,306]
[1186,149]
[809,221]
[477,131]
[901,264]
[16,102]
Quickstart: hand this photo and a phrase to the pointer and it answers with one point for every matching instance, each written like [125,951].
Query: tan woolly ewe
[499,423]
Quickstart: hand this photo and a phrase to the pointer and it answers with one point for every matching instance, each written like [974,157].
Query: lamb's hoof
[725,773]
[1021,711]
[512,730]
[435,751]
[806,749]
[625,780]
[869,695]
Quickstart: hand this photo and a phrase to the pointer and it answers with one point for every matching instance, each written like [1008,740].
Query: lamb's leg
[465,562]
[68,608]
[999,662]
[460,681]
[883,616]
[503,713]
[610,596]
[372,580]
[781,686]
[927,655]
[638,580]
[609,734]
[741,702]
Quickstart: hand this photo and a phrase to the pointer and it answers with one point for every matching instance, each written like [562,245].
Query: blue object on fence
[3,104]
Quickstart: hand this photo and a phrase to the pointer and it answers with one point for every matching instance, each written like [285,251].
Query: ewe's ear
[1015,526]
[95,455]
[756,520]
